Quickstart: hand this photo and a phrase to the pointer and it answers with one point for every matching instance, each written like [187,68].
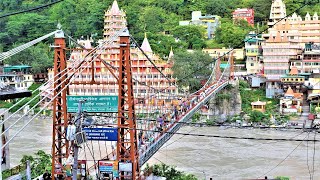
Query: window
[252,64]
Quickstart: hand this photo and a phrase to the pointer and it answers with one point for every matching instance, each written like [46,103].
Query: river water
[206,157]
[36,136]
[219,158]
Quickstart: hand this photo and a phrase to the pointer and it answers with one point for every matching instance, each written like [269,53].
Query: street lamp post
[75,144]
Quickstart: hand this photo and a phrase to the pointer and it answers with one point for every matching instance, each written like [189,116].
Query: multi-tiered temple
[147,79]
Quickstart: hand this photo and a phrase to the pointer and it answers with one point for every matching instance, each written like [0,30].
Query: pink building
[277,52]
[244,14]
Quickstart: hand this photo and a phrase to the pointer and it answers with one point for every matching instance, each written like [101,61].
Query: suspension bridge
[138,139]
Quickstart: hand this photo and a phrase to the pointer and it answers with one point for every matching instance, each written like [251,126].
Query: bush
[256,116]
[210,122]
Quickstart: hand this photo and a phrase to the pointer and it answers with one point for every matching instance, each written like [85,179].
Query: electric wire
[167,145]
[230,137]
[264,143]
[284,158]
[217,125]
[225,137]
[32,9]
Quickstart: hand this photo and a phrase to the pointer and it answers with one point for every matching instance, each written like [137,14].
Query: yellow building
[238,54]
[259,106]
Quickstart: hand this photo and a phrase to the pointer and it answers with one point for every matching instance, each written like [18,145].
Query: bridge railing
[165,136]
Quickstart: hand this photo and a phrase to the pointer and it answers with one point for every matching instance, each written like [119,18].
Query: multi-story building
[297,29]
[210,22]
[284,45]
[277,52]
[19,77]
[244,14]
[253,53]
[277,12]
[294,80]
[147,79]
[238,54]
[310,61]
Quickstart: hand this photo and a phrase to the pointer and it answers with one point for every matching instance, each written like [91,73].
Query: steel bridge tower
[60,144]
[127,147]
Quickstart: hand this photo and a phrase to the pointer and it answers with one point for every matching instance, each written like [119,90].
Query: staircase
[305,111]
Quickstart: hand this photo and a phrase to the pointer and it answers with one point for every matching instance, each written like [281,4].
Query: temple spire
[145,44]
[170,54]
[115,8]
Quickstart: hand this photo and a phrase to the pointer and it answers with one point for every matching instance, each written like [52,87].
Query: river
[219,158]
[36,136]
[206,157]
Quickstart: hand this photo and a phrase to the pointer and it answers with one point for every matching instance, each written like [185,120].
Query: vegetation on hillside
[85,18]
[249,95]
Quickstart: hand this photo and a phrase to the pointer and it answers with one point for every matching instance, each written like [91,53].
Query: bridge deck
[150,150]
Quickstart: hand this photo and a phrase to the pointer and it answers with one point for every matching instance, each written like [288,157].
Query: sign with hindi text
[101,134]
[95,104]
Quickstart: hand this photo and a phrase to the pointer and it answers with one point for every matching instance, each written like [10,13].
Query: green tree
[232,35]
[39,57]
[261,9]
[39,163]
[217,7]
[195,63]
[192,35]
[161,44]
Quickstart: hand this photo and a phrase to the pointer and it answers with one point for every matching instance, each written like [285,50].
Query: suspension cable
[92,59]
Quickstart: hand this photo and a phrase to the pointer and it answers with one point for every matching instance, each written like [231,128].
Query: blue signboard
[101,134]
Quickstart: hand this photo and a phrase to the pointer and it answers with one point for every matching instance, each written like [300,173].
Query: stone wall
[226,103]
